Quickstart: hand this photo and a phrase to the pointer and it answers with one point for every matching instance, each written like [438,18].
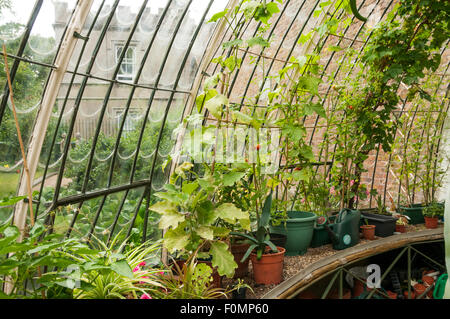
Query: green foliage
[260,239]
[434,209]
[193,222]
[399,51]
[193,280]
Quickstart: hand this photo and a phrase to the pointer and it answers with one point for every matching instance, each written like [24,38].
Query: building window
[127,68]
[130,121]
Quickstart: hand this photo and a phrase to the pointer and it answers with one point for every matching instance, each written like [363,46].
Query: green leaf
[205,213]
[230,213]
[170,217]
[230,178]
[205,232]
[205,96]
[176,239]
[221,231]
[189,188]
[309,83]
[232,43]
[218,16]
[222,259]
[258,41]
[11,200]
[214,105]
[265,215]
[122,268]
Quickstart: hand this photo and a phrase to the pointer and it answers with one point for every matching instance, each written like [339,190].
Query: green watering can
[439,289]
[344,231]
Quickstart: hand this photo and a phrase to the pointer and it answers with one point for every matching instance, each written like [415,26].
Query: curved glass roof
[101,87]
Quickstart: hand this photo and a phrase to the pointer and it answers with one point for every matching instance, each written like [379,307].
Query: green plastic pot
[414,213]
[298,228]
[320,237]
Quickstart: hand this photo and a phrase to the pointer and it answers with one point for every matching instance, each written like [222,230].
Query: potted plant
[401,223]
[267,259]
[192,220]
[368,231]
[239,289]
[381,218]
[431,214]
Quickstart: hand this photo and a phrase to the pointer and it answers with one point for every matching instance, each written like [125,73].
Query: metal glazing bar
[58,124]
[78,103]
[169,102]
[130,98]
[20,51]
[101,117]
[147,191]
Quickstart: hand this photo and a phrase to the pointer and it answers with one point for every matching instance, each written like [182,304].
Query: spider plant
[116,271]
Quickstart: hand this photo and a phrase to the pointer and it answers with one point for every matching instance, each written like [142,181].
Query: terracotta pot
[269,269]
[431,222]
[368,231]
[358,288]
[413,295]
[419,289]
[400,228]
[238,251]
[428,281]
[392,295]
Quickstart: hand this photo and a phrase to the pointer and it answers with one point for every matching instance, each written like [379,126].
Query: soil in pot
[431,222]
[368,231]
[269,268]
[238,250]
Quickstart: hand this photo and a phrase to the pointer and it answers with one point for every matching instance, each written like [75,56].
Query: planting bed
[294,264]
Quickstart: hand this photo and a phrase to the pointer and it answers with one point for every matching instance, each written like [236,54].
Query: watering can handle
[342,214]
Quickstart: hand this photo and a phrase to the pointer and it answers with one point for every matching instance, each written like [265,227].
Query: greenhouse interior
[224,149]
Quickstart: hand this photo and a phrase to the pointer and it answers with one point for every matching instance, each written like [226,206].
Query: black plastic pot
[278,240]
[385,225]
[239,293]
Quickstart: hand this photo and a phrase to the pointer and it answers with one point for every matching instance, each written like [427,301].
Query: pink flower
[143,282]
[146,296]
[332,191]
[137,268]
[367,192]
[142,264]
[161,273]
[303,200]
[352,182]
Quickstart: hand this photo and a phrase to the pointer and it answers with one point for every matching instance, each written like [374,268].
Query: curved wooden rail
[325,266]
